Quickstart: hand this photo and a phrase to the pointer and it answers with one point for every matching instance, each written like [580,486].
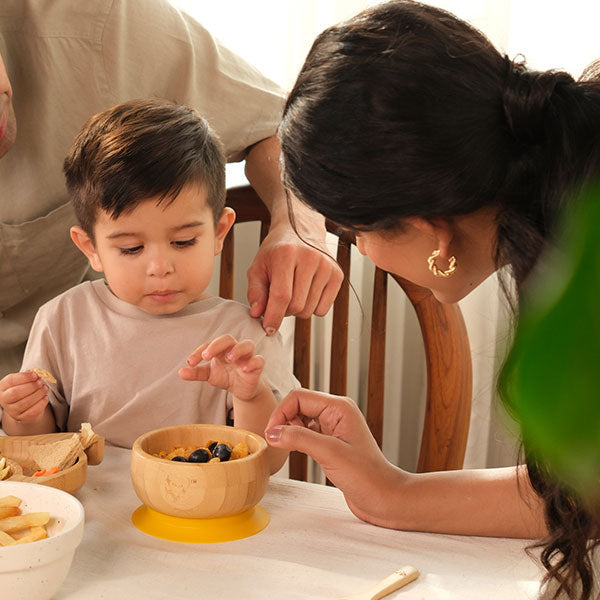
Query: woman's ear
[440,231]
[83,241]
[224,224]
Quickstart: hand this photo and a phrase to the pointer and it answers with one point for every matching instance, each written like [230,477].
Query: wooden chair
[447,351]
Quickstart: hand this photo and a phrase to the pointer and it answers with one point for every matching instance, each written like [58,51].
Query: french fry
[9,511]
[35,533]
[6,540]
[11,524]
[10,501]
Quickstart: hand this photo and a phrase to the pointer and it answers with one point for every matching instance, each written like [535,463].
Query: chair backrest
[447,350]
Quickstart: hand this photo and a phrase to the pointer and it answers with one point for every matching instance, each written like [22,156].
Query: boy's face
[158,257]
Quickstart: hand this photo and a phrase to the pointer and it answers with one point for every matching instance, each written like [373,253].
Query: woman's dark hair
[404,111]
[138,150]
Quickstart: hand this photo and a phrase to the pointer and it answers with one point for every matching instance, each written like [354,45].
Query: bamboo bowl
[199,491]
[16,449]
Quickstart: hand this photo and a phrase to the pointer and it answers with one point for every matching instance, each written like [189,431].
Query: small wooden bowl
[198,491]
[16,449]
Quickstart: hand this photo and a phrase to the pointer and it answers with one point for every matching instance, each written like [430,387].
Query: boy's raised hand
[23,396]
[228,364]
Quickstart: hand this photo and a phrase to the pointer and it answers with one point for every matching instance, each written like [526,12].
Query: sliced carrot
[52,470]
[39,473]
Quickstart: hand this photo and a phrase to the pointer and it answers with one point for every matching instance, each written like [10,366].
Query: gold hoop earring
[436,270]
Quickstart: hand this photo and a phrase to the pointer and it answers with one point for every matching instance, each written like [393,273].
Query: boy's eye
[132,250]
[184,243]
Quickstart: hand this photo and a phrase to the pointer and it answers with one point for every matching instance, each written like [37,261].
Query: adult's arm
[331,429]
[293,272]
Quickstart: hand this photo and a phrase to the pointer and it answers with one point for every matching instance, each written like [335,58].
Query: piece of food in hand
[46,375]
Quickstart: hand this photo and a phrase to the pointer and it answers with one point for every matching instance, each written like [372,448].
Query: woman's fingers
[325,449]
[331,412]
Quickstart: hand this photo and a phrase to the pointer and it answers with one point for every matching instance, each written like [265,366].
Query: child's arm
[24,401]
[234,366]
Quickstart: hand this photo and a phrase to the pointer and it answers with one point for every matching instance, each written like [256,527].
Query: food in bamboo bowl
[199,501]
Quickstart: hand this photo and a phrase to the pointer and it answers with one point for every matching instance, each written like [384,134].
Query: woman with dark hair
[449,161]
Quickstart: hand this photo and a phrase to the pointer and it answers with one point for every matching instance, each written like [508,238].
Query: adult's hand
[334,432]
[290,277]
[293,272]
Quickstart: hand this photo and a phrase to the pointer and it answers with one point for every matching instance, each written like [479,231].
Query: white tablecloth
[312,548]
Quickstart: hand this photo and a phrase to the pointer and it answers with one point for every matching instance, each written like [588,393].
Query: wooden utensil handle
[393,582]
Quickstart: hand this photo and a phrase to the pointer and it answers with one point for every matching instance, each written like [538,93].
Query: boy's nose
[159,266]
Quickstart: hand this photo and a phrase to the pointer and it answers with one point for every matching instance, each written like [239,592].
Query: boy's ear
[83,241]
[224,224]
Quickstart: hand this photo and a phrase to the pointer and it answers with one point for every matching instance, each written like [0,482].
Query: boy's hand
[230,365]
[23,396]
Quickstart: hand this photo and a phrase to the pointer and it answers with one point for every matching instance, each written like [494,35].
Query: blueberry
[201,455]
[179,459]
[212,445]
[222,451]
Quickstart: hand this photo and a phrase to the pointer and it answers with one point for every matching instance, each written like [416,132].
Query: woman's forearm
[486,502]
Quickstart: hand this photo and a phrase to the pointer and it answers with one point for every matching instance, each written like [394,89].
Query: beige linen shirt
[117,365]
[68,60]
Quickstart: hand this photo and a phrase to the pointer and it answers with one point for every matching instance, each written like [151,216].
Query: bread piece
[59,454]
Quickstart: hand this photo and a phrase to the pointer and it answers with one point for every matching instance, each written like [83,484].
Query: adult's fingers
[258,287]
[325,449]
[281,288]
[329,293]
[300,402]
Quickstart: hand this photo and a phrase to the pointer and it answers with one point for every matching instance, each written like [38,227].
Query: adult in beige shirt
[66,60]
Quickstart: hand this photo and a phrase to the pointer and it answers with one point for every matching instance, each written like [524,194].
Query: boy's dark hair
[142,149]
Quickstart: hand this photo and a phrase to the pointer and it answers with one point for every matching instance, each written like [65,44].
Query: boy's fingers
[200,373]
[256,363]
[33,411]
[17,379]
[196,356]
[242,350]
[218,346]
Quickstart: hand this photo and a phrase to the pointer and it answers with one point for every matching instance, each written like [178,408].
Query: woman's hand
[229,365]
[334,432]
[23,396]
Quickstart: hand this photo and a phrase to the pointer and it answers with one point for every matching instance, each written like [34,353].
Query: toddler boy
[147,180]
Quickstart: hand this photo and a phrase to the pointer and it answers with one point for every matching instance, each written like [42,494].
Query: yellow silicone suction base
[200,531]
